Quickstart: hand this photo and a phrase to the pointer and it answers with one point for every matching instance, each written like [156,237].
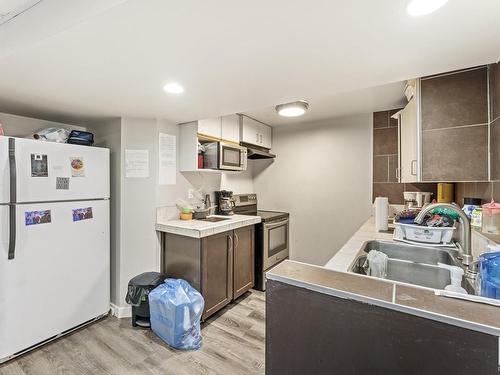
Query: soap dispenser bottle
[456,275]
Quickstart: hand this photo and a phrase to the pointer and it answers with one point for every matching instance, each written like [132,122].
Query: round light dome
[423,7]
[173,88]
[292,109]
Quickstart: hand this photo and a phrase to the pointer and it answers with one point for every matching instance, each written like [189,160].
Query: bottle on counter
[470,204]
[476,218]
[381,214]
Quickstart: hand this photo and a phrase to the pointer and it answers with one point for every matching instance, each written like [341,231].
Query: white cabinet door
[250,131]
[210,127]
[408,132]
[265,136]
[231,128]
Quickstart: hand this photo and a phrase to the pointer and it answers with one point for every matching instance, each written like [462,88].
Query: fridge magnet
[62,183]
[37,217]
[39,165]
[77,167]
[82,214]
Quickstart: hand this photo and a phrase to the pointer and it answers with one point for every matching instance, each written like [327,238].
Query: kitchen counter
[404,298]
[333,279]
[200,229]
[342,260]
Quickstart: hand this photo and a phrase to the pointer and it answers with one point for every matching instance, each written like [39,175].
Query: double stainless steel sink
[412,264]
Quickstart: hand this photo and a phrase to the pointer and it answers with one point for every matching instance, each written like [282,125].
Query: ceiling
[367,100]
[89,59]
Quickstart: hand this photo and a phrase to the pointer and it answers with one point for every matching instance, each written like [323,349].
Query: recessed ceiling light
[423,7]
[173,88]
[292,109]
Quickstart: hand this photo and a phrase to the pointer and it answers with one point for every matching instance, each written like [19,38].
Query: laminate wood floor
[233,343]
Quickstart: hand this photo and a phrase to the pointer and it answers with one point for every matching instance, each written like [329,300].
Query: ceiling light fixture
[293,109]
[422,7]
[173,88]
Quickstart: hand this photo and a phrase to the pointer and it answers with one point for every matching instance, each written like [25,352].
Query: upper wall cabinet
[408,131]
[230,128]
[210,127]
[454,126]
[226,128]
[255,132]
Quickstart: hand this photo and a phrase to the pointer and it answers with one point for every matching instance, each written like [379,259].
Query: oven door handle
[275,224]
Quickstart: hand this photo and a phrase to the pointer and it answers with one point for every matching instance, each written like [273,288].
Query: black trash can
[137,296]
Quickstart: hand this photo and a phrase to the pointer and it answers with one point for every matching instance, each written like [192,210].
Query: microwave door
[230,158]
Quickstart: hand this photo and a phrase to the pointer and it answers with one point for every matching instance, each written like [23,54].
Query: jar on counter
[476,218]
[491,218]
[470,204]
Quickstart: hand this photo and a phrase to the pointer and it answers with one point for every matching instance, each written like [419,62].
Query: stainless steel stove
[271,236]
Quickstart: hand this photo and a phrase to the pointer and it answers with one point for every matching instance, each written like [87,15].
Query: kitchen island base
[308,332]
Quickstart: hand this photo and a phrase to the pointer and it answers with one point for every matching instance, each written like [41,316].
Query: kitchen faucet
[465,242]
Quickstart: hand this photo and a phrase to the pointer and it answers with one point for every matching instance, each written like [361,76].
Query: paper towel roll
[381,213]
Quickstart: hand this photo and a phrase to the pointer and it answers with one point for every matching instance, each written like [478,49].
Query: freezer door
[4,170]
[53,172]
[60,277]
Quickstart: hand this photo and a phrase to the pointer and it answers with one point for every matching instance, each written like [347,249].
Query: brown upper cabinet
[495,121]
[444,129]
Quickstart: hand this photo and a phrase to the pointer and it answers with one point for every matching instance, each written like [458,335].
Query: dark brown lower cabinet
[220,267]
[244,263]
[216,271]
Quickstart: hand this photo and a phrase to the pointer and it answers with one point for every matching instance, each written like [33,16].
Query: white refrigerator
[54,241]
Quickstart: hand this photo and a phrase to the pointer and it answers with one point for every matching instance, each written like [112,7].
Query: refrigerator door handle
[13,198]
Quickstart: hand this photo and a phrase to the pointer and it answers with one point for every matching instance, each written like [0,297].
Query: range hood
[256,152]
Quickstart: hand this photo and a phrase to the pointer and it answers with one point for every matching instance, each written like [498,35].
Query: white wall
[108,134]
[322,176]
[19,126]
[135,248]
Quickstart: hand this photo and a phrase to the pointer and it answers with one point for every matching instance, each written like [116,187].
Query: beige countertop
[345,256]
[199,228]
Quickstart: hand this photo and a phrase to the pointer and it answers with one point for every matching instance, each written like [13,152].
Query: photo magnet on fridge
[37,217]
[82,214]
[77,167]
[39,165]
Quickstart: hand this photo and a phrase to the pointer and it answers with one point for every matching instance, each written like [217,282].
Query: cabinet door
[250,131]
[217,271]
[210,127]
[265,136]
[231,128]
[408,138]
[452,149]
[244,263]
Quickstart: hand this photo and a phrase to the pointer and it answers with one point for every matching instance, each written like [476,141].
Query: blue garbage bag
[175,313]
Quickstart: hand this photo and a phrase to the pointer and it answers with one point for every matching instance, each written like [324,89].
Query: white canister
[381,214]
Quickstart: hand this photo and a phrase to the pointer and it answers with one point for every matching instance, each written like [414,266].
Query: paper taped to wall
[167,159]
[136,163]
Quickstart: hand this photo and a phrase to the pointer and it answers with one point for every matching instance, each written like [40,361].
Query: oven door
[276,238]
[232,157]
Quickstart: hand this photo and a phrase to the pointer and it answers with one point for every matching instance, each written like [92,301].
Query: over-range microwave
[225,156]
